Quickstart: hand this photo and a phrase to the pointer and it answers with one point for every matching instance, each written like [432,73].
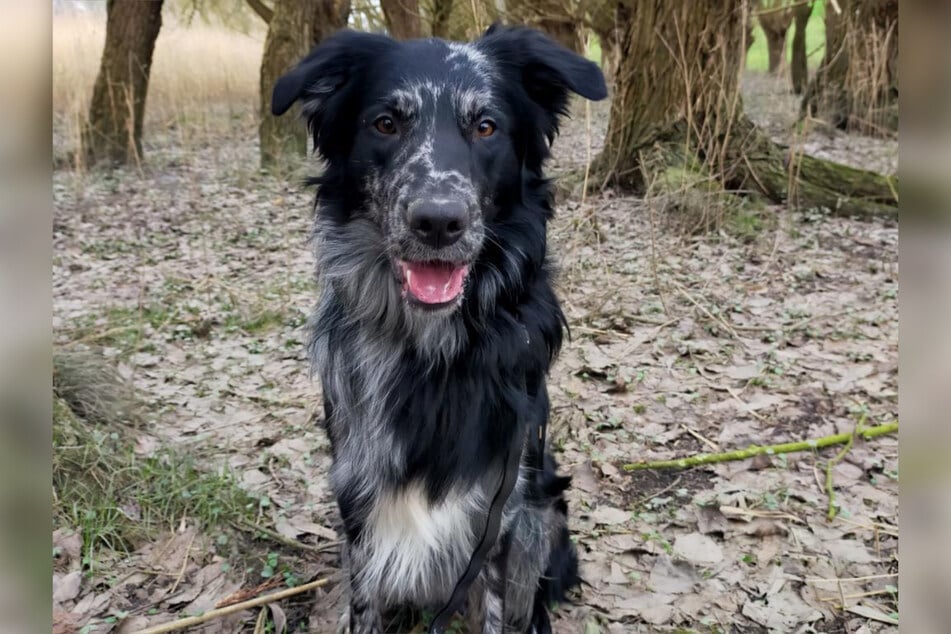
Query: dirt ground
[681,344]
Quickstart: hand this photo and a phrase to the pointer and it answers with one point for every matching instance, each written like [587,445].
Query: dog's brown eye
[486,128]
[385,125]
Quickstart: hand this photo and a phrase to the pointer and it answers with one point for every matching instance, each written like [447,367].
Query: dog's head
[428,143]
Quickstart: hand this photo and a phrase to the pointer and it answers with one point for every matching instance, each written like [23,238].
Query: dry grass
[204,79]
[869,79]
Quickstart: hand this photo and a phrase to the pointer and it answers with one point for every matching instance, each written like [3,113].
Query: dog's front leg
[493,598]
[365,617]
[366,613]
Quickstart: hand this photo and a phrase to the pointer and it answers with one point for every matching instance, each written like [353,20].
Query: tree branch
[263,11]
[757,450]
[231,609]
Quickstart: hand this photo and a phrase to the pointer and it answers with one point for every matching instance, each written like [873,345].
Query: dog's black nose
[438,224]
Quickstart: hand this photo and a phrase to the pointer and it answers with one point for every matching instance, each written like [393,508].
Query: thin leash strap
[490,534]
[539,465]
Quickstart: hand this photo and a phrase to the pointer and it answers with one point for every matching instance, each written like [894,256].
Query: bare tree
[677,116]
[263,11]
[562,20]
[774,17]
[799,67]
[295,27]
[402,18]
[366,15]
[441,12]
[856,86]
[113,130]
[603,17]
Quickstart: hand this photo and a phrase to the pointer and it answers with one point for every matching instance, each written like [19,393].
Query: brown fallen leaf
[609,515]
[783,611]
[672,577]
[64,622]
[710,520]
[867,612]
[66,587]
[67,545]
[763,527]
[639,601]
[698,549]
[853,551]
[584,478]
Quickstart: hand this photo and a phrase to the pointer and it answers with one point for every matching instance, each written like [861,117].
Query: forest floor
[193,276]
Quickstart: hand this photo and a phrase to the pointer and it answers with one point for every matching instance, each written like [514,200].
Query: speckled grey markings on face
[466,56]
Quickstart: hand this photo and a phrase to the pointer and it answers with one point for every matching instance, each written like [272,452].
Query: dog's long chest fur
[437,321]
[415,549]
[410,472]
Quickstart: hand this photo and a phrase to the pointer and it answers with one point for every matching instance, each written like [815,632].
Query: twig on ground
[231,609]
[587,152]
[887,529]
[650,208]
[246,593]
[829,487]
[260,622]
[887,575]
[650,497]
[758,450]
[725,388]
[95,336]
[703,309]
[287,541]
[752,412]
[736,512]
[855,595]
[709,443]
[181,572]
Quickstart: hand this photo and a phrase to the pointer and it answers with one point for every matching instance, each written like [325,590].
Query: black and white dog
[437,321]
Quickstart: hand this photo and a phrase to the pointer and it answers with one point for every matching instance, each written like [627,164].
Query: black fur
[431,397]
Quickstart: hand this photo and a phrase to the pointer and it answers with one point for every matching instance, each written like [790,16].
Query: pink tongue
[433,282]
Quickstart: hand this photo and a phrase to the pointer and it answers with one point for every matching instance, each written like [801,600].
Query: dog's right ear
[326,69]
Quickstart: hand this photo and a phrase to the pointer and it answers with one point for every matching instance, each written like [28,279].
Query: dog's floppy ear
[548,69]
[326,69]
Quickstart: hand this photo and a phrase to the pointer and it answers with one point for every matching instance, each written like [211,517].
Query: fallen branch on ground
[231,609]
[757,450]
[830,489]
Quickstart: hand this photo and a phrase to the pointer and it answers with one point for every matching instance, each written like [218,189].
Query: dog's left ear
[547,69]
[330,65]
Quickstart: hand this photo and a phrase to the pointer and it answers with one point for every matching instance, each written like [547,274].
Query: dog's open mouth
[433,283]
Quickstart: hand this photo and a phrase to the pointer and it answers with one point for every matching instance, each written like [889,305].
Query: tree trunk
[113,131]
[564,30]
[799,68]
[441,13]
[469,19]
[604,22]
[679,62]
[296,26]
[554,17]
[775,18]
[856,86]
[402,18]
[677,117]
[609,55]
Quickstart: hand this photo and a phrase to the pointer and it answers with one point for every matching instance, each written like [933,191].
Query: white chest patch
[414,551]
